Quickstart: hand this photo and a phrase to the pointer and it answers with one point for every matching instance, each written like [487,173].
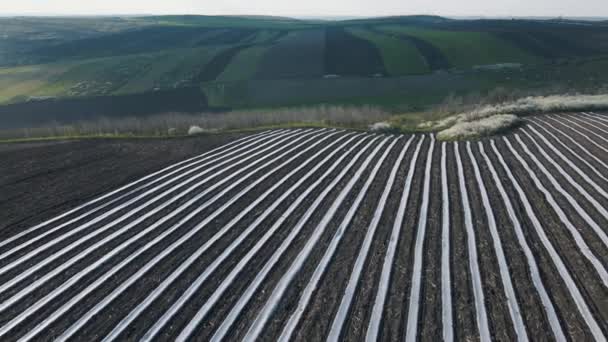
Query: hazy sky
[312,7]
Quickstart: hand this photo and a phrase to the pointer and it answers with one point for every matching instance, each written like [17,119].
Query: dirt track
[264,237]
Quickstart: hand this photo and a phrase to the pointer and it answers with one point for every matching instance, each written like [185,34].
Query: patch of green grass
[400,58]
[465,49]
[100,76]
[22,82]
[244,65]
[106,76]
[13,90]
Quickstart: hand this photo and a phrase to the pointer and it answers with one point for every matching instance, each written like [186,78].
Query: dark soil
[347,55]
[40,180]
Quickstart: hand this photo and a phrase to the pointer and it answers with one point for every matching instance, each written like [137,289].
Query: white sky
[596,8]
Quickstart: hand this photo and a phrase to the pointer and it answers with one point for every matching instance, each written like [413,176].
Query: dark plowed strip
[531,44]
[296,55]
[347,55]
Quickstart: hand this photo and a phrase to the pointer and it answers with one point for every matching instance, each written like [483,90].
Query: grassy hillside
[399,62]
[244,65]
[465,49]
[400,57]
[299,54]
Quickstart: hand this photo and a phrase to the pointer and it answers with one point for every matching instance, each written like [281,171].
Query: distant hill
[242,60]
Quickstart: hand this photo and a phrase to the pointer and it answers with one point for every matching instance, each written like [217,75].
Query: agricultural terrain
[251,62]
[315,234]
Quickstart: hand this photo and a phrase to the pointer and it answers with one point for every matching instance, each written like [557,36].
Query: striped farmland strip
[573,202]
[602,117]
[587,122]
[280,289]
[580,242]
[204,310]
[373,330]
[183,267]
[577,170]
[558,333]
[514,311]
[595,119]
[158,239]
[555,257]
[167,251]
[351,288]
[567,148]
[276,140]
[155,329]
[574,142]
[30,271]
[92,267]
[580,130]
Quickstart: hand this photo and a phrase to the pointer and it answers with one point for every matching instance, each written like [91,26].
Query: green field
[249,62]
[468,49]
[244,66]
[400,57]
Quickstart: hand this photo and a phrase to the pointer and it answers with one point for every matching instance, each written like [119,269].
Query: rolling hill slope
[82,57]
